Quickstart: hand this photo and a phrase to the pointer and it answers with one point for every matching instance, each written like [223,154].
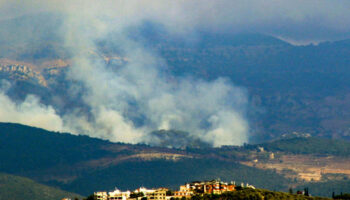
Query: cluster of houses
[186,191]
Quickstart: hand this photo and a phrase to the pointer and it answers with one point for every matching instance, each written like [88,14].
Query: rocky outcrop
[21,72]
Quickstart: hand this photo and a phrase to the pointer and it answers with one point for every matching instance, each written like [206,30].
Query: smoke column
[139,91]
[126,102]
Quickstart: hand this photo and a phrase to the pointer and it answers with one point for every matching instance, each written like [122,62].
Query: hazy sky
[310,20]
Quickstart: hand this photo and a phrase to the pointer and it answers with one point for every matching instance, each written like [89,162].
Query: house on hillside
[185,191]
[204,187]
[144,191]
[100,195]
[118,195]
[158,194]
[138,194]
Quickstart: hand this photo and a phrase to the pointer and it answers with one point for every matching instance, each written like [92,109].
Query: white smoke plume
[29,112]
[128,102]
[211,111]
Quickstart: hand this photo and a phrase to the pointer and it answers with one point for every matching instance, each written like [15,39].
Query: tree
[306,191]
[137,194]
[90,197]
[169,193]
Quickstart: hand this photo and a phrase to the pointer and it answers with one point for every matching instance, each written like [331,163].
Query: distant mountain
[294,88]
[291,88]
[208,40]
[18,188]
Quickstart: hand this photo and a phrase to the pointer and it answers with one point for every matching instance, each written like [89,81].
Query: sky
[297,20]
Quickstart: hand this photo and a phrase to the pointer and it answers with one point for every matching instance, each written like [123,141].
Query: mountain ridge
[285,83]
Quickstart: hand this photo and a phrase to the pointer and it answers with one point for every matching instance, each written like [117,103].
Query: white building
[100,195]
[118,195]
[144,190]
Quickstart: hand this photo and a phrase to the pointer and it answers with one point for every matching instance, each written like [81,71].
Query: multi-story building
[118,195]
[158,194]
[100,196]
[144,190]
[204,187]
[185,191]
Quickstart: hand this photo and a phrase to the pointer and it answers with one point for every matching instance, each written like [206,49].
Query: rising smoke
[30,111]
[127,102]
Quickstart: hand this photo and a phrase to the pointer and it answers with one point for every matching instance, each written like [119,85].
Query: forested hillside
[82,164]
[18,188]
[310,145]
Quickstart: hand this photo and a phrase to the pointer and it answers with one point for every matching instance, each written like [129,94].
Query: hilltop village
[185,192]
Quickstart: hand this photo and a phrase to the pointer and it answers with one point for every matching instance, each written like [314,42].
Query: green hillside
[82,165]
[19,188]
[25,148]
